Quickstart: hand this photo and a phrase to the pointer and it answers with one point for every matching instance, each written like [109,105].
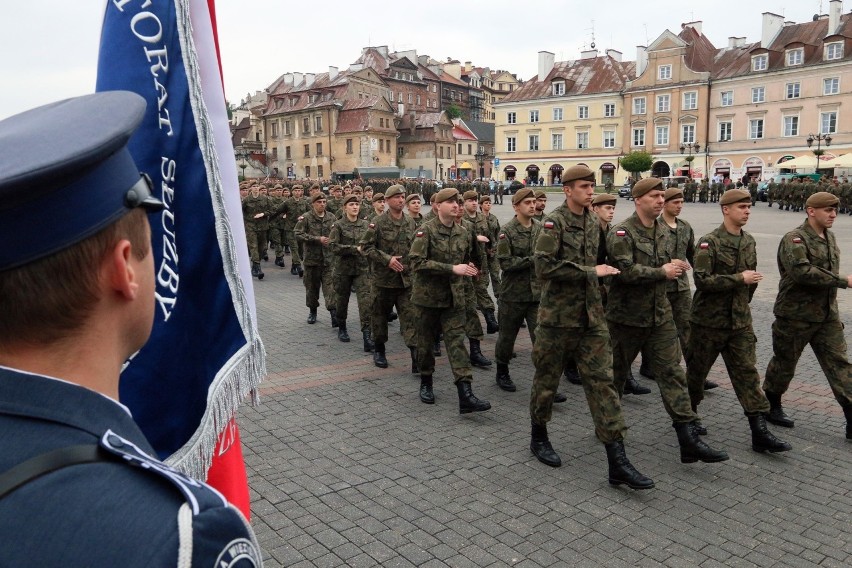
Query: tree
[453,111]
[636,163]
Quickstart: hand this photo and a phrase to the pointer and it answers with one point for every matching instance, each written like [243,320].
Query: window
[511,118]
[638,136]
[609,110]
[511,144]
[727,98]
[759,62]
[306,125]
[663,103]
[318,123]
[664,72]
[582,140]
[758,94]
[687,134]
[831,86]
[834,51]
[559,88]
[793,90]
[662,138]
[287,130]
[828,122]
[307,171]
[557,113]
[639,106]
[275,153]
[469,149]
[533,116]
[274,132]
[533,142]
[725,130]
[460,148]
[287,154]
[381,145]
[418,99]
[690,100]
[755,129]
[399,97]
[791,126]
[348,145]
[307,150]
[795,56]
[609,138]
[319,171]
[441,152]
[556,142]
[582,111]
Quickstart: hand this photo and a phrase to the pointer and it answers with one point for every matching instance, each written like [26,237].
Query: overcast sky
[50,47]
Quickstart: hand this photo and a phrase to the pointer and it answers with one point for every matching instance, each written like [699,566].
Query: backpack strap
[49,462]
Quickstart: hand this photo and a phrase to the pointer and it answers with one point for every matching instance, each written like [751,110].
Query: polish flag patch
[300,218]
[548,224]
[620,233]
[372,225]
[419,234]
[502,236]
[797,240]
[704,246]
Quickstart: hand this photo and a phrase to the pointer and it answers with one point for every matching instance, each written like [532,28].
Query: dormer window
[795,56]
[834,51]
[558,88]
[759,62]
[664,72]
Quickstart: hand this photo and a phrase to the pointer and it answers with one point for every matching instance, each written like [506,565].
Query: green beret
[734,196]
[673,193]
[578,172]
[378,197]
[318,196]
[643,186]
[470,194]
[446,195]
[485,198]
[604,198]
[822,199]
[522,194]
[394,190]
[540,193]
[351,198]
[412,197]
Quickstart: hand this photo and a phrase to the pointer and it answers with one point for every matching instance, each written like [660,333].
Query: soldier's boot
[436,348]
[255,266]
[572,374]
[710,385]
[699,428]
[392,316]
[632,386]
[541,448]
[477,359]
[265,257]
[312,316]
[467,400]
[260,274]
[379,356]
[415,366]
[299,270]
[504,380]
[847,412]
[293,269]
[333,313]
[645,371]
[368,341]
[426,394]
[776,411]
[279,261]
[342,334]
[286,249]
[762,440]
[560,397]
[693,448]
[621,471]
[490,322]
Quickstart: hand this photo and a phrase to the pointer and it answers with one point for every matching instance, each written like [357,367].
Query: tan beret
[733,196]
[539,194]
[316,197]
[470,194]
[577,172]
[822,199]
[485,198]
[643,186]
[412,197]
[297,186]
[604,199]
[522,194]
[446,194]
[378,197]
[432,199]
[315,186]
[351,198]
[673,193]
[394,190]
[368,188]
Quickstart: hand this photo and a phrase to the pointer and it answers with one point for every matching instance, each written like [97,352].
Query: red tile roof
[582,77]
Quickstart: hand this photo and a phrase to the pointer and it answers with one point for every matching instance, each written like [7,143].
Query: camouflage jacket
[681,246]
[385,238]
[809,267]
[436,248]
[334,205]
[637,296]
[276,217]
[566,253]
[345,238]
[516,254]
[419,220]
[480,226]
[722,298]
[293,208]
[493,232]
[309,228]
[254,205]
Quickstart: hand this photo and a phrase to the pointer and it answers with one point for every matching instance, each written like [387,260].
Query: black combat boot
[333,313]
[342,335]
[490,322]
[379,356]
[368,341]
[645,371]
[847,412]
[299,270]
[697,426]
[762,439]
[560,397]
[776,411]
[312,316]
[260,274]
[426,394]
[477,359]
[293,269]
[265,257]
[415,366]
[693,448]
[710,385]
[436,348]
[255,267]
[279,261]
[392,316]
[572,374]
[286,249]
[621,471]
[632,386]
[504,381]
[468,402]
[541,448]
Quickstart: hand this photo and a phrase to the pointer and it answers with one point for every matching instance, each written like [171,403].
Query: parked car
[761,190]
[672,180]
[624,191]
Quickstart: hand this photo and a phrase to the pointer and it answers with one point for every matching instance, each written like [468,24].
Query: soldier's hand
[682,264]
[324,240]
[672,270]
[751,277]
[258,215]
[602,270]
[849,281]
[465,270]
[482,239]
[395,264]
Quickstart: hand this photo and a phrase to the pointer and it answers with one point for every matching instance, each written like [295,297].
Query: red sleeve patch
[372,225]
[621,233]
[502,236]
[797,240]
[704,246]
[548,224]
[419,234]
[300,218]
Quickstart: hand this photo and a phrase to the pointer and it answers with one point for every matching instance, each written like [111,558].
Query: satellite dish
[593,45]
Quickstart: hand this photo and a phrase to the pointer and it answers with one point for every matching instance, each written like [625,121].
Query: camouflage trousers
[480,284]
[789,338]
[494,274]
[661,344]
[590,346]
[681,302]
[472,326]
[317,277]
[343,284]
[450,322]
[276,237]
[384,300]
[290,241]
[258,242]
[737,347]
[511,316]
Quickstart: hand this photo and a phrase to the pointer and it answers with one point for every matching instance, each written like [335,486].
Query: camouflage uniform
[480,227]
[571,321]
[294,208]
[318,260]
[639,313]
[473,327]
[257,231]
[351,270]
[721,318]
[493,265]
[277,224]
[681,244]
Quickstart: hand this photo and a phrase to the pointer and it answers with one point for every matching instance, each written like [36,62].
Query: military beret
[643,186]
[578,172]
[378,197]
[485,198]
[432,198]
[315,186]
[394,190]
[298,186]
[446,195]
[470,194]
[368,188]
[822,199]
[277,186]
[604,198]
[317,196]
[522,194]
[66,168]
[540,194]
[733,196]
[351,198]
[412,197]
[673,193]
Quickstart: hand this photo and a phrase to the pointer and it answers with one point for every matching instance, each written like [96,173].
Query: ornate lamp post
[481,155]
[689,149]
[819,140]
[242,156]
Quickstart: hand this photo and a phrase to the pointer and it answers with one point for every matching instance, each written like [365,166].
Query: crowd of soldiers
[592,296]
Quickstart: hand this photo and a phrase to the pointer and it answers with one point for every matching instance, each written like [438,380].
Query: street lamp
[819,140]
[689,148]
[242,156]
[480,156]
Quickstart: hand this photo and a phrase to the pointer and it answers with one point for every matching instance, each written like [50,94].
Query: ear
[123,277]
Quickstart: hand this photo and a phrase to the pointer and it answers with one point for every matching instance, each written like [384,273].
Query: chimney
[332,72]
[545,64]
[288,79]
[468,65]
[772,24]
[614,54]
[309,79]
[694,25]
[298,78]
[355,67]
[413,126]
[641,59]
[835,8]
[588,54]
[383,49]
[736,42]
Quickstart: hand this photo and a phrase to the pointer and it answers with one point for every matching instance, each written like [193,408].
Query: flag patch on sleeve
[797,240]
[419,234]
[620,233]
[704,246]
[548,224]
[502,236]
[372,225]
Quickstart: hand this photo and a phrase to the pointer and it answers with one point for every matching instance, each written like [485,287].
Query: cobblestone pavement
[348,468]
